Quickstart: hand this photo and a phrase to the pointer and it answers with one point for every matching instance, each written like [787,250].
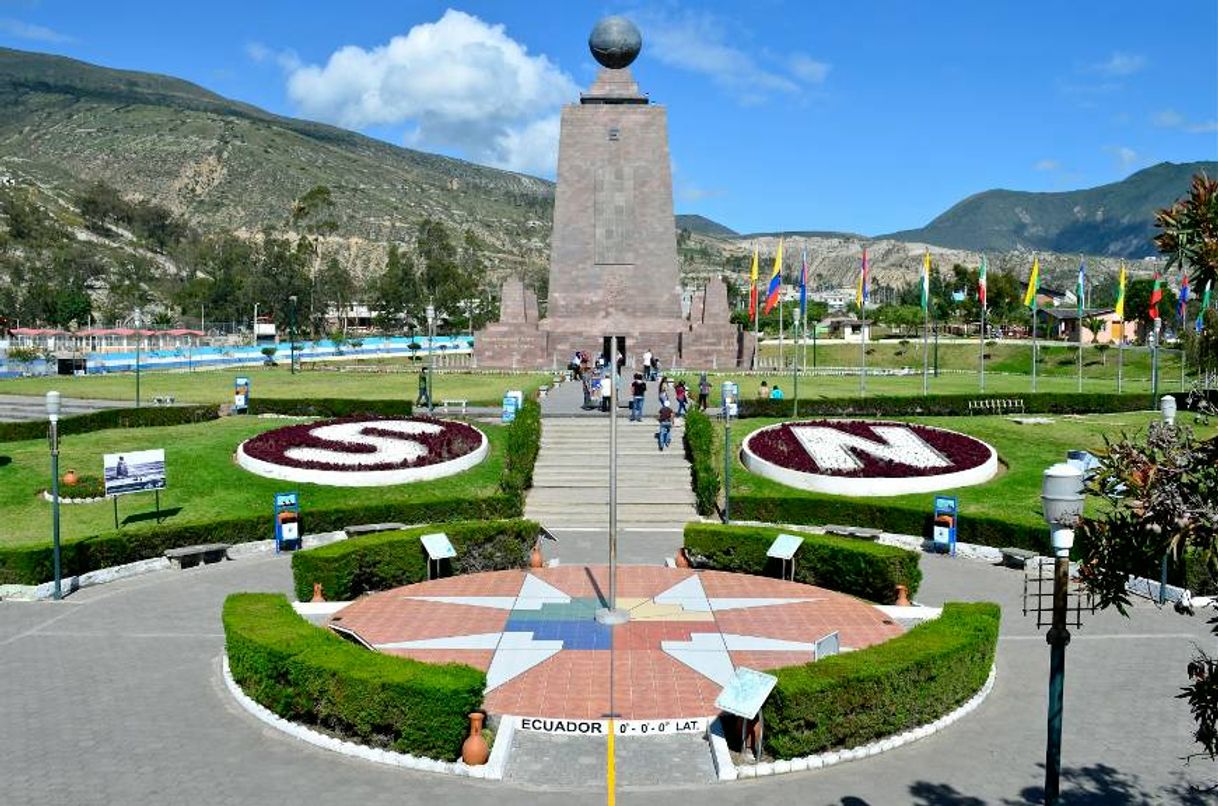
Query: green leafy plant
[699,450]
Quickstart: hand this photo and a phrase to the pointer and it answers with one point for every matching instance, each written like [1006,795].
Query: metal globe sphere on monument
[615,42]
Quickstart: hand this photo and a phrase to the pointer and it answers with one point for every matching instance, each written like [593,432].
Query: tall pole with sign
[612,615]
[431,359]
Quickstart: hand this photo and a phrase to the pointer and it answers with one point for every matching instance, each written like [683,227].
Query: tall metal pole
[612,615]
[780,362]
[862,355]
[291,332]
[431,354]
[982,349]
[1058,638]
[138,338]
[1034,317]
[795,362]
[1154,365]
[1080,351]
[937,349]
[926,349]
[727,467]
[57,592]
[1120,355]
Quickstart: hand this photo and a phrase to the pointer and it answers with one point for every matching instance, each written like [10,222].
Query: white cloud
[286,59]
[698,42]
[1120,64]
[1171,119]
[458,82]
[1204,127]
[1126,157]
[35,33]
[1168,119]
[1046,165]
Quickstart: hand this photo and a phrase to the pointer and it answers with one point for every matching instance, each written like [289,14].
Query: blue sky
[865,116]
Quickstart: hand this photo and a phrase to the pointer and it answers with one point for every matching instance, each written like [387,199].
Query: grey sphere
[615,42]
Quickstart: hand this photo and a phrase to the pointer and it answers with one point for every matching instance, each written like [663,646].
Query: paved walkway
[15,408]
[114,696]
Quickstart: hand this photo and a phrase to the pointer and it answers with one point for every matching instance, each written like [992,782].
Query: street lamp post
[1062,499]
[138,337]
[291,332]
[53,437]
[431,358]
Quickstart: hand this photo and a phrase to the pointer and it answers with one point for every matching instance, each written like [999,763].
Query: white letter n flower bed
[867,458]
[363,452]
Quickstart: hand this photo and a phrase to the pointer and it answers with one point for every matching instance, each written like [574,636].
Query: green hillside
[1115,219]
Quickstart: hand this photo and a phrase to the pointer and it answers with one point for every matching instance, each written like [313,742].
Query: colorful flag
[803,283]
[981,288]
[753,286]
[926,280]
[1081,291]
[1182,303]
[1029,298]
[1120,303]
[864,289]
[1156,294]
[771,297]
[1205,304]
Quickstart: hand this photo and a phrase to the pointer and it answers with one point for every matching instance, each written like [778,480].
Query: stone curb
[490,771]
[46,496]
[728,771]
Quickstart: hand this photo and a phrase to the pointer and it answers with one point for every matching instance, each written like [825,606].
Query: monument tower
[613,251]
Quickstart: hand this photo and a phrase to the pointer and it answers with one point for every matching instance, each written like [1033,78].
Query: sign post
[730,394]
[511,404]
[743,696]
[946,513]
[287,521]
[241,395]
[134,472]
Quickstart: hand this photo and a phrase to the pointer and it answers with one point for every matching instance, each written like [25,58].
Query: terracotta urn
[682,560]
[474,751]
[70,478]
[535,558]
[317,597]
[902,596]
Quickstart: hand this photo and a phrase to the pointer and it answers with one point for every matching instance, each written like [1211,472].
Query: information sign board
[946,516]
[746,692]
[241,395]
[134,471]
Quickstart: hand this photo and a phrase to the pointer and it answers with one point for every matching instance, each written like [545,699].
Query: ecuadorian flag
[771,297]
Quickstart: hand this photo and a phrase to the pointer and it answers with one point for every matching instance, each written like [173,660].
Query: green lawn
[1024,450]
[204,482]
[216,385]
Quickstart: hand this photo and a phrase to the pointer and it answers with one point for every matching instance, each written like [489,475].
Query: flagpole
[982,345]
[795,364]
[1034,317]
[925,348]
[862,354]
[1120,353]
[780,363]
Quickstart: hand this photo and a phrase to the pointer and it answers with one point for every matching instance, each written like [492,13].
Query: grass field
[204,482]
[216,386]
[1025,450]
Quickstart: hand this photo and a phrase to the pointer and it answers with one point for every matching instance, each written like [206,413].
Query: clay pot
[474,750]
[317,597]
[70,478]
[535,558]
[682,560]
[902,596]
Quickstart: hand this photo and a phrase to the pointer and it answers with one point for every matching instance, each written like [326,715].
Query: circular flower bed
[364,452]
[867,458]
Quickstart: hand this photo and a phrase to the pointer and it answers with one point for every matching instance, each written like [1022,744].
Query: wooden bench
[1016,558]
[190,556]
[446,405]
[163,400]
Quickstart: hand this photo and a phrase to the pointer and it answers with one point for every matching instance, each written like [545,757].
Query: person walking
[638,389]
[647,364]
[424,398]
[703,392]
[664,435]
[585,381]
[682,395]
[665,392]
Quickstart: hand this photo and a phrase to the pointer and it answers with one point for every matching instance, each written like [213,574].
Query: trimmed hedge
[858,697]
[815,509]
[699,450]
[388,559]
[146,417]
[330,407]
[307,674]
[850,565]
[942,405]
[523,445]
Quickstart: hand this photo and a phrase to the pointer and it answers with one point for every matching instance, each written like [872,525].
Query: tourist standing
[424,398]
[703,392]
[638,389]
[664,435]
[647,364]
[665,392]
[775,393]
[682,395]
[763,391]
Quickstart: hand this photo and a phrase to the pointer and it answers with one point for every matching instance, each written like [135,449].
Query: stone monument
[613,252]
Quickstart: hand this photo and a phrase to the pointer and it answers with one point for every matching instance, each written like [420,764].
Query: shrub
[523,444]
[858,697]
[307,674]
[941,405]
[900,519]
[389,559]
[699,450]
[148,417]
[850,565]
[330,407]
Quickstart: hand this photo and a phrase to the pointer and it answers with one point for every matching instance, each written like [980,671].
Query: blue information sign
[946,515]
[241,395]
[287,521]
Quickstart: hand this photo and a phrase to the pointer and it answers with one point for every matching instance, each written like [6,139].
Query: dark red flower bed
[456,440]
[781,447]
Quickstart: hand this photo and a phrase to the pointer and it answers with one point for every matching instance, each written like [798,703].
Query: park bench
[1016,558]
[371,528]
[190,556]
[163,400]
[994,405]
[446,405]
[852,531]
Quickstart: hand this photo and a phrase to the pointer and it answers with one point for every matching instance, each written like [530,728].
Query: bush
[32,564]
[148,417]
[309,675]
[330,407]
[854,698]
[390,559]
[523,445]
[941,405]
[850,565]
[900,519]
[699,450]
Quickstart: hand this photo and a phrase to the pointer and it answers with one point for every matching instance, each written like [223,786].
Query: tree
[334,287]
[1190,230]
[1137,306]
[1158,501]
[396,293]
[1096,325]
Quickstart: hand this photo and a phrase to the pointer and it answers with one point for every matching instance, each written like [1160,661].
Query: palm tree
[1190,230]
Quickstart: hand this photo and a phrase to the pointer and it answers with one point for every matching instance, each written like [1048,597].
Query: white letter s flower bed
[865,458]
[364,452]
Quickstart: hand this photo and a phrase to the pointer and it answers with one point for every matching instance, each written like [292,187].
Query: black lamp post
[292,331]
[1062,499]
[53,438]
[431,359]
[138,337]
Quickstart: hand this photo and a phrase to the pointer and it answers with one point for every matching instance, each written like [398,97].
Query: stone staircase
[571,478]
